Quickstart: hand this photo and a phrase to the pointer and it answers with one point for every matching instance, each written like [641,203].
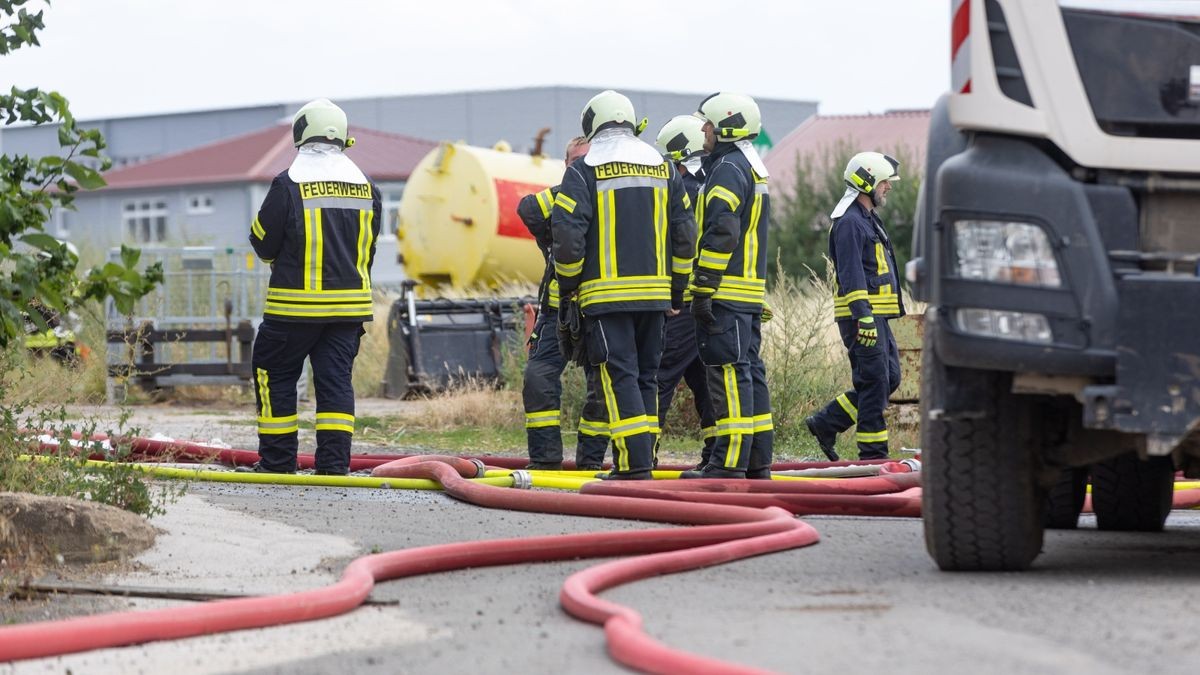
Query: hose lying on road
[721,534]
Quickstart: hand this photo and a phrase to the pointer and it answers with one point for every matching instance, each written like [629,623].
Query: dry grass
[478,405]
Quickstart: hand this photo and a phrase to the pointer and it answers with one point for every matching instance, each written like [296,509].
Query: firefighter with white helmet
[866,294]
[681,140]
[541,390]
[317,227]
[623,244]
[729,286]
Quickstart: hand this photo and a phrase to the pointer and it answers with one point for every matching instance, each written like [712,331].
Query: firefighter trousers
[280,348]
[541,393]
[681,361]
[626,348]
[875,374]
[737,387]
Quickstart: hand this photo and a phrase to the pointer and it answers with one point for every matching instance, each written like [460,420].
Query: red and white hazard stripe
[960,46]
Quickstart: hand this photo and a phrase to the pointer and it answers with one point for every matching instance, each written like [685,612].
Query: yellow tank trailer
[458,217]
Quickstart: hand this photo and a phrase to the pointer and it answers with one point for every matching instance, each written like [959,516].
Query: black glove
[867,333]
[703,312]
[676,298]
[571,344]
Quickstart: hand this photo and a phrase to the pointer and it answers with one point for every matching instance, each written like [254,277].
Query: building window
[199,205]
[145,220]
[391,208]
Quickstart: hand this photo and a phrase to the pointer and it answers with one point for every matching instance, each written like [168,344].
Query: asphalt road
[866,598]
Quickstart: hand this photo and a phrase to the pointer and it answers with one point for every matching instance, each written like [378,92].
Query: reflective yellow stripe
[729,426]
[709,432]
[660,229]
[687,201]
[713,260]
[315,311]
[681,265]
[278,425]
[624,428]
[763,423]
[264,392]
[750,248]
[568,269]
[565,203]
[881,266]
[545,200]
[724,195]
[733,403]
[872,436]
[257,228]
[553,293]
[849,407]
[343,295]
[592,428]
[610,203]
[621,456]
[335,421]
[318,267]
[365,241]
[541,419]
[308,249]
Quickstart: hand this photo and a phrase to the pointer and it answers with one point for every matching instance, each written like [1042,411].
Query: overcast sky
[131,57]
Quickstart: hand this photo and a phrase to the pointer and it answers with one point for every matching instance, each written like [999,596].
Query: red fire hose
[722,533]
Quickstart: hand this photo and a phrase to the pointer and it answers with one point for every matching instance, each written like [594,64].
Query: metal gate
[199,317]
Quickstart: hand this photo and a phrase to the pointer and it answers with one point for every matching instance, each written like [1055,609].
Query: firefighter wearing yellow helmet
[728,287]
[866,294]
[317,227]
[623,243]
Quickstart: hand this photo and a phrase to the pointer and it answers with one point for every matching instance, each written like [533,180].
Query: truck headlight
[1005,252]
[1019,326]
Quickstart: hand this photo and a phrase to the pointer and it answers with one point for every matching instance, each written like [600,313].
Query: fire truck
[1057,245]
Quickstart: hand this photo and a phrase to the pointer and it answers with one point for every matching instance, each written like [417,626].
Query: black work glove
[867,333]
[676,298]
[703,312]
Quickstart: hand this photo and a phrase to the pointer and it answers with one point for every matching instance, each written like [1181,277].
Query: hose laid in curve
[714,524]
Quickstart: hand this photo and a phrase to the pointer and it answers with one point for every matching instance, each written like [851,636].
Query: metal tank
[458,222]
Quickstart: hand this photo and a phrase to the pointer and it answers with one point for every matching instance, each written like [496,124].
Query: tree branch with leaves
[39,268]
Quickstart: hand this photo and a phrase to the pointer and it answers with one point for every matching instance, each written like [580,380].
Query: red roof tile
[261,155]
[903,131]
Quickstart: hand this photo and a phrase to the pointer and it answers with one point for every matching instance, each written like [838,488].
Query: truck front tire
[982,507]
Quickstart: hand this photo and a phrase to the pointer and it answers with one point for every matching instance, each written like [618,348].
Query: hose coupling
[914,465]
[522,480]
[480,468]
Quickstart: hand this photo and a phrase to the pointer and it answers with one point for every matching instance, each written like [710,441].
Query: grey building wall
[477,117]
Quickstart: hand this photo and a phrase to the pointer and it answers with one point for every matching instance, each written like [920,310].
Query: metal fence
[204,288]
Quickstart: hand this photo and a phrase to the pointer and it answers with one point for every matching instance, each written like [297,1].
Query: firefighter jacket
[866,283]
[320,240]
[623,236]
[534,210]
[734,217]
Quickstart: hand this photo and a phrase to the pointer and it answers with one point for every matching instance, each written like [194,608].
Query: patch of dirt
[38,530]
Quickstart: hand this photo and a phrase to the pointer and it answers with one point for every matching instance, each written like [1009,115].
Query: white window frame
[200,204]
[145,220]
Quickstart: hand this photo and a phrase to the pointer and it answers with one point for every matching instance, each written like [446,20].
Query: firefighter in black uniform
[866,294]
[729,285]
[623,243]
[317,227]
[681,140]
[542,388]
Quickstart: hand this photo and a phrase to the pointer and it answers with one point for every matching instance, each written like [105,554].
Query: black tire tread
[1132,495]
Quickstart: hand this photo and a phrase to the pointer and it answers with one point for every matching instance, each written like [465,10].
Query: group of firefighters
[663,252]
[656,272]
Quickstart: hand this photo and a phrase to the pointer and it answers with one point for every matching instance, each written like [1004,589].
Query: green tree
[37,268]
[800,227]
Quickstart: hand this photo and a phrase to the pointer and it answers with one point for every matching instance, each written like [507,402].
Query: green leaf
[87,178]
[42,241]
